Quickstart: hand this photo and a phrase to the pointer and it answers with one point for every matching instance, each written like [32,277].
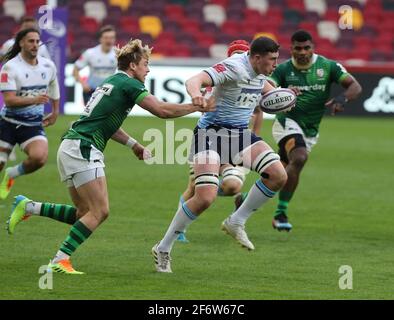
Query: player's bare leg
[260,158]
[229,185]
[37,155]
[206,169]
[296,160]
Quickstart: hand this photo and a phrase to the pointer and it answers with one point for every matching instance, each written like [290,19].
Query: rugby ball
[278,100]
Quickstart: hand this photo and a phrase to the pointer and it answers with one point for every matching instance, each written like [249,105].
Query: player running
[223,137]
[27,82]
[80,155]
[231,177]
[101,61]
[297,131]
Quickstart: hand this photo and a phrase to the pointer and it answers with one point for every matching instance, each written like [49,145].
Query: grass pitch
[342,215]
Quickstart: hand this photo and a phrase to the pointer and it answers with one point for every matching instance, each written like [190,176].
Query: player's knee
[104,214]
[299,160]
[231,186]
[206,199]
[82,210]
[38,160]
[277,176]
[233,179]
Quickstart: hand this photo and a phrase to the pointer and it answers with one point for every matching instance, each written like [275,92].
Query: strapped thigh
[264,160]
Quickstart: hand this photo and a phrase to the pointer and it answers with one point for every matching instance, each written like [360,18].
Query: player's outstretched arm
[139,150]
[165,110]
[353,90]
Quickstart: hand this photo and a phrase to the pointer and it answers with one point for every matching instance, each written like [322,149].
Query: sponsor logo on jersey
[43,75]
[33,91]
[320,72]
[219,67]
[315,87]
[4,78]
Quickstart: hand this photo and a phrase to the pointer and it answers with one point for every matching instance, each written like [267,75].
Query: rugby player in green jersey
[80,155]
[297,131]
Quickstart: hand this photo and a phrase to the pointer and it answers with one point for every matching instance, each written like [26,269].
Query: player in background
[26,23]
[232,177]
[223,137]
[297,131]
[80,155]
[101,61]
[27,82]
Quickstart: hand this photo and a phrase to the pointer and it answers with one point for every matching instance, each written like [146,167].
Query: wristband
[131,142]
[341,99]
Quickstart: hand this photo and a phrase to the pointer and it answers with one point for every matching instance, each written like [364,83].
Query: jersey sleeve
[222,72]
[278,76]
[337,71]
[135,90]
[53,86]
[44,52]
[7,79]
[83,60]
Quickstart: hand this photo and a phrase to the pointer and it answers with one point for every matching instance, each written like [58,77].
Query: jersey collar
[251,72]
[121,71]
[313,60]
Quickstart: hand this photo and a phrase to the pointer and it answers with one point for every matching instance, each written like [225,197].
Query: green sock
[59,212]
[284,199]
[78,234]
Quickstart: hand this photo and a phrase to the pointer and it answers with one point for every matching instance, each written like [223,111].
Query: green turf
[342,215]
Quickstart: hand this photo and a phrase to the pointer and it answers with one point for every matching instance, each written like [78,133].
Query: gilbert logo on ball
[278,100]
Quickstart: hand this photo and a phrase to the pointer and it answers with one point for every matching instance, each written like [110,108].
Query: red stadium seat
[90,25]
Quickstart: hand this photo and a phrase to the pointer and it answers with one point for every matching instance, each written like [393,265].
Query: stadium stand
[198,28]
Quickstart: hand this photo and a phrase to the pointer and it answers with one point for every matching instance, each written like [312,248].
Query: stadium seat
[214,13]
[32,6]
[14,8]
[295,5]
[8,26]
[319,6]
[231,27]
[123,4]
[259,5]
[204,39]
[151,25]
[95,9]
[218,51]
[174,11]
[88,24]
[129,24]
[180,51]
[292,16]
[328,30]
[201,52]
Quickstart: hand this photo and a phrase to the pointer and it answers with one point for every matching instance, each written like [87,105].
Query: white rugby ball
[278,100]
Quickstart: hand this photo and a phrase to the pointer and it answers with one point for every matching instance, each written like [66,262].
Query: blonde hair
[132,52]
